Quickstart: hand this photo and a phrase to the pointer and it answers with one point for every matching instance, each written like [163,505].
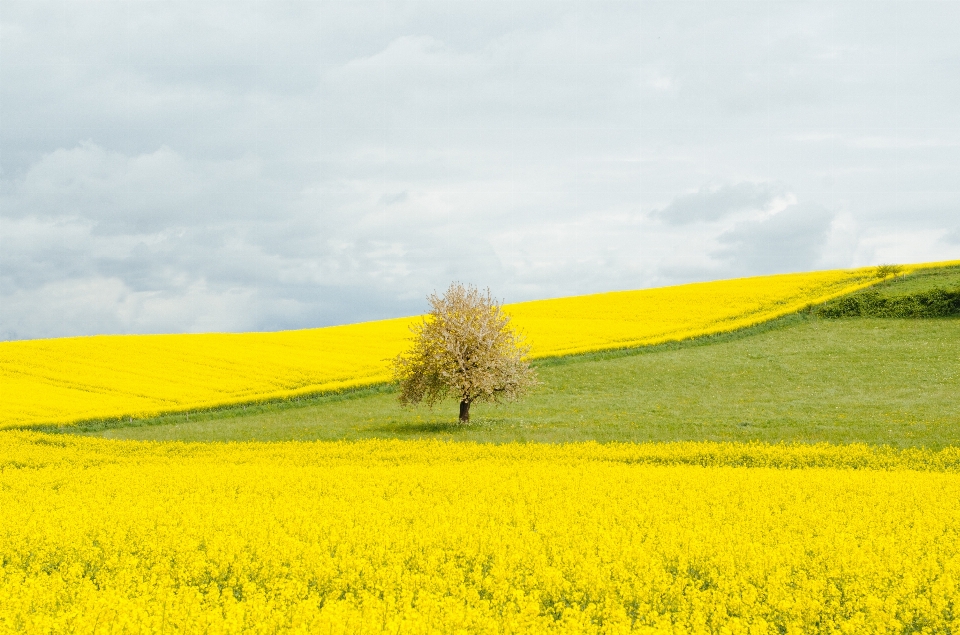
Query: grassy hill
[802,378]
[922,294]
[64,381]
[918,282]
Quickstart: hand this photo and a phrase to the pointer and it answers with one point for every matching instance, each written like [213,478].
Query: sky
[204,166]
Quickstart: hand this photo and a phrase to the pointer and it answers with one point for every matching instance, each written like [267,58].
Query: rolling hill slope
[803,380]
[63,381]
[799,378]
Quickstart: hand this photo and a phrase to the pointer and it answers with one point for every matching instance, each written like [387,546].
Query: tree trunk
[464,411]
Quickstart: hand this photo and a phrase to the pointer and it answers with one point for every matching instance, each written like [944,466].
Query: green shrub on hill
[884,271]
[935,303]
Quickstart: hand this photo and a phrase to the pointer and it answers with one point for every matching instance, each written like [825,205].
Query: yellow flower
[432,537]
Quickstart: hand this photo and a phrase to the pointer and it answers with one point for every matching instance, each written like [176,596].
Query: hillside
[926,293]
[877,381]
[800,378]
[69,380]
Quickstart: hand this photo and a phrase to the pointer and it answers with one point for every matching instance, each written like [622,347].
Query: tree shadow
[484,424]
[426,427]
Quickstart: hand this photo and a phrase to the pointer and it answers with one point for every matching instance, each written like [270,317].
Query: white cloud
[107,305]
[755,200]
[174,166]
[146,191]
[907,246]
[790,240]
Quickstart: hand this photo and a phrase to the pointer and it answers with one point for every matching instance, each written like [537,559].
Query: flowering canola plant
[431,537]
[66,380]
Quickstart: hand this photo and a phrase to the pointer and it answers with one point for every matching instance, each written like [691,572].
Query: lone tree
[464,348]
[884,271]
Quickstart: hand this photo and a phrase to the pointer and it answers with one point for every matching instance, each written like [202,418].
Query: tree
[883,271]
[465,348]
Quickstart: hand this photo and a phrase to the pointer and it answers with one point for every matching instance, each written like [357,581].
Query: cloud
[251,166]
[106,305]
[142,192]
[790,240]
[717,203]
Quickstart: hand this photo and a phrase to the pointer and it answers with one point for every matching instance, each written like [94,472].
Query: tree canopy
[464,348]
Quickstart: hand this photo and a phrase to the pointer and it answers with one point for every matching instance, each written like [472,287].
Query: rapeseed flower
[430,537]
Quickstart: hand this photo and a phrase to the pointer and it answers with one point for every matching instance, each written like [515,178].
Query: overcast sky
[234,166]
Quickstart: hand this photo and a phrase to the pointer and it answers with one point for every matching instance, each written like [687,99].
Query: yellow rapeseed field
[430,537]
[65,380]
